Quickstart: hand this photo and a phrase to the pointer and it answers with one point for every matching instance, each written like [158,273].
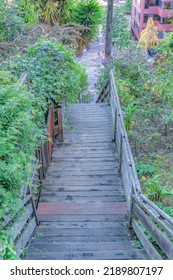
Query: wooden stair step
[82,218]
[94,246]
[90,255]
[47,208]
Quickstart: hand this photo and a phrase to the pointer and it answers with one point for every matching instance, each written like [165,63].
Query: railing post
[115,126]
[33,205]
[121,153]
[60,125]
[130,209]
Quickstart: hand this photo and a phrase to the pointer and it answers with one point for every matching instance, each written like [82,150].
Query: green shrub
[120,31]
[7,250]
[127,6]
[53,73]
[11,23]
[18,141]
[89,14]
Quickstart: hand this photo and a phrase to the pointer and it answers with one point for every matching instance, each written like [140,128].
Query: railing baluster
[121,153]
[60,124]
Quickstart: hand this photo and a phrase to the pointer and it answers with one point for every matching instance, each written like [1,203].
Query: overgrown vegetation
[145,89]
[71,22]
[53,74]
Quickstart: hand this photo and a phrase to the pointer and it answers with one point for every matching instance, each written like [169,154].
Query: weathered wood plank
[73,172]
[80,232]
[7,218]
[17,227]
[56,198]
[81,188]
[79,238]
[21,243]
[149,248]
[47,208]
[100,182]
[90,255]
[83,225]
[154,214]
[94,246]
[84,192]
[163,241]
[82,218]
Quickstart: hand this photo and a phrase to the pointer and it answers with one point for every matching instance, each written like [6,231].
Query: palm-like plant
[57,11]
[50,12]
[89,14]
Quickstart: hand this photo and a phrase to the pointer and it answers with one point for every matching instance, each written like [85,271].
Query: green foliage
[11,23]
[127,6]
[155,191]
[53,73]
[144,169]
[166,44]
[18,137]
[145,91]
[89,14]
[138,244]
[7,250]
[57,11]
[120,32]
[128,112]
[29,10]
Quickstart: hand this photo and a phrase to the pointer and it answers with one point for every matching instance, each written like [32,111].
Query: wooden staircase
[82,208]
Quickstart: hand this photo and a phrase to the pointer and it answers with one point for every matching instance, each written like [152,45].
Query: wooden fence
[150,223]
[20,225]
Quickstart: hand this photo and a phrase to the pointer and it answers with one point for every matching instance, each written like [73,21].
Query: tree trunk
[108,40]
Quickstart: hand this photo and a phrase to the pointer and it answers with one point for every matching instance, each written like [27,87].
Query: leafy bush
[18,137]
[7,250]
[155,191]
[127,6]
[120,30]
[53,73]
[144,169]
[29,10]
[11,23]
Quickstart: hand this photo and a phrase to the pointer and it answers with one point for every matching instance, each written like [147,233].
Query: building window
[133,22]
[167,20]
[136,27]
[167,5]
[145,18]
[138,15]
[161,35]
[156,17]
[149,3]
[133,9]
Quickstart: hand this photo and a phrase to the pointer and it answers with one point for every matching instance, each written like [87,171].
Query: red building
[160,10]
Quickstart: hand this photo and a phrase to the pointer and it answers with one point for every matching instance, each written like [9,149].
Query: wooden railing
[20,225]
[150,223]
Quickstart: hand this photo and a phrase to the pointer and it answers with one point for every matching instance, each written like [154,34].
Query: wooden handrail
[144,216]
